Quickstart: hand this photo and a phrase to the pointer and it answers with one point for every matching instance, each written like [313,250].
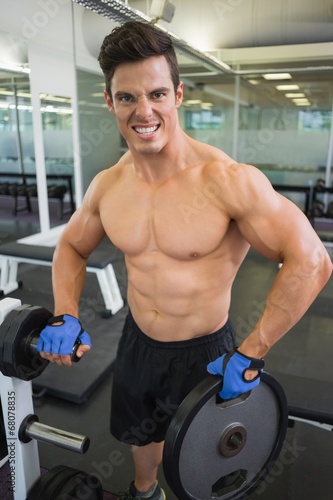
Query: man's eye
[125,98]
[158,95]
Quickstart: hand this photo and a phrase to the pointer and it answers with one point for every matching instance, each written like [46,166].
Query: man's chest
[181,223]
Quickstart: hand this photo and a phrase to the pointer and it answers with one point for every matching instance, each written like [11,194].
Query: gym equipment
[329,212]
[20,326]
[19,358]
[320,185]
[19,334]
[224,448]
[38,249]
[232,366]
[214,448]
[3,441]
[65,482]
[318,209]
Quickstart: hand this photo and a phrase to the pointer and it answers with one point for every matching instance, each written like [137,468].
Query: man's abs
[174,300]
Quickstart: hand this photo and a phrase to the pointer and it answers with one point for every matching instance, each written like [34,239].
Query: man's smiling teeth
[146,130]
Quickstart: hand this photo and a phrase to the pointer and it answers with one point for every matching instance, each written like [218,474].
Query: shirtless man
[185,215]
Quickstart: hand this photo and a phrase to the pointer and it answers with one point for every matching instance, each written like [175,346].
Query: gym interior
[258,84]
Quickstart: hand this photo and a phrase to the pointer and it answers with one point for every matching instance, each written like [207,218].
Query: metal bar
[57,437]
[236,119]
[325,427]
[329,156]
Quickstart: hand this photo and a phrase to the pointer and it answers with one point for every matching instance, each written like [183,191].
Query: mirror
[57,123]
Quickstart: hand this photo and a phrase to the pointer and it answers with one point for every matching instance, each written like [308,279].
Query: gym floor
[301,361]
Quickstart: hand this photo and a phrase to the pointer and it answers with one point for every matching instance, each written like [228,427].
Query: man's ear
[109,102]
[179,94]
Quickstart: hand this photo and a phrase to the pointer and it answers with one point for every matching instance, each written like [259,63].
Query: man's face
[145,104]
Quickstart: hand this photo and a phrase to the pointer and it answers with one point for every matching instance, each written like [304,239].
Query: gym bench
[23,188]
[100,263]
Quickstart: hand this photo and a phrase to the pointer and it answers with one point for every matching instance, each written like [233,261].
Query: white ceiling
[258,36]
[252,37]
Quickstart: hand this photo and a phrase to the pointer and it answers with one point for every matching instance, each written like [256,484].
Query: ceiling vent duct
[120,12]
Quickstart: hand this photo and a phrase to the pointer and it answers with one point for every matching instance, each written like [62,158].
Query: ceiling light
[300,99]
[254,82]
[206,105]
[277,76]
[301,102]
[287,87]
[192,102]
[291,95]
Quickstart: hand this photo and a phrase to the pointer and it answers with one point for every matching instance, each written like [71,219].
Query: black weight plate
[81,485]
[18,359]
[54,489]
[37,490]
[4,327]
[194,467]
[3,439]
[6,335]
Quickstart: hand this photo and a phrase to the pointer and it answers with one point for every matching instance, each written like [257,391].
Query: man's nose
[143,107]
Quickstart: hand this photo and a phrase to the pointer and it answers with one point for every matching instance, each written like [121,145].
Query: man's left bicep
[278,229]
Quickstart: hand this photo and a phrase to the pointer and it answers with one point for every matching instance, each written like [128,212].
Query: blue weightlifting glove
[232,366]
[61,339]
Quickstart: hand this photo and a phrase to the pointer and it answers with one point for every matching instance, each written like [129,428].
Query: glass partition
[100,142]
[16,136]
[207,112]
[57,123]
[285,128]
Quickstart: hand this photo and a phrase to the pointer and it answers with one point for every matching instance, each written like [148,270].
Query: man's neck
[156,168]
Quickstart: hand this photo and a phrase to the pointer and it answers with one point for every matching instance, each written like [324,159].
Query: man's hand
[57,340]
[240,373]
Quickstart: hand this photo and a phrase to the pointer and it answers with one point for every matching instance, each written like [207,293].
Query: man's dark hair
[136,41]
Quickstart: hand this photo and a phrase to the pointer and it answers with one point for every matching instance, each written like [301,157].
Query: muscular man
[181,256]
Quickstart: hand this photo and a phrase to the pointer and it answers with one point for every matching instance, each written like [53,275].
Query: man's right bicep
[84,232]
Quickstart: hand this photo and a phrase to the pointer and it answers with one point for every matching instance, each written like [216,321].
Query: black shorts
[151,379]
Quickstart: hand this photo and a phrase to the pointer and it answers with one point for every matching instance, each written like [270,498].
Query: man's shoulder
[236,179]
[218,162]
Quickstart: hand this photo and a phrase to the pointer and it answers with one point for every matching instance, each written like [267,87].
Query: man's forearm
[293,291]
[68,279]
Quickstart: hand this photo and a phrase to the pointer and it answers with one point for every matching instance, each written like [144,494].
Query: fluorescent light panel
[254,82]
[277,76]
[292,95]
[193,101]
[287,87]
[300,99]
